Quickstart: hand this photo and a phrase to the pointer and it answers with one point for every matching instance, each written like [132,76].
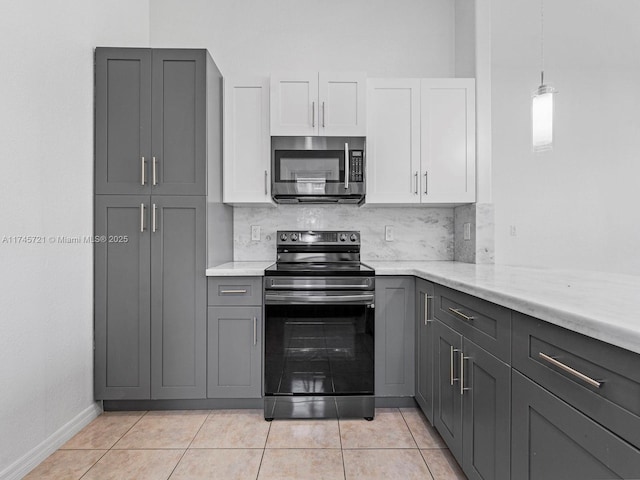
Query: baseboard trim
[36,455]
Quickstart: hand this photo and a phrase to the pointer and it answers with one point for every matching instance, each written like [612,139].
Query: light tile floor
[239,444]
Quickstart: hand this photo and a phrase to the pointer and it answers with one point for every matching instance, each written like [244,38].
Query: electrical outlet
[388,233]
[512,230]
[467,231]
[255,233]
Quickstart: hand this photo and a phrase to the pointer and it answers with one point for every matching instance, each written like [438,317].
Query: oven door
[319,343]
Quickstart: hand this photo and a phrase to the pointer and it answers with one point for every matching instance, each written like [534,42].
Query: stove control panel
[318,237]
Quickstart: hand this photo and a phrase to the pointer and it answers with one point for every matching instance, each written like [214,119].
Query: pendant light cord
[541,42]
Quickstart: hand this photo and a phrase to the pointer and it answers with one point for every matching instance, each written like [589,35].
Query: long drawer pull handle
[143,173]
[232,291]
[142,217]
[154,171]
[459,313]
[255,330]
[462,359]
[451,364]
[568,369]
[154,218]
[426,309]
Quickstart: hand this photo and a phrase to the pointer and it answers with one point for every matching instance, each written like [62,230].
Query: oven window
[309,166]
[319,350]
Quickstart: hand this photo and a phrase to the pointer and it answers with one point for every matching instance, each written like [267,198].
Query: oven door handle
[365,299]
[317,287]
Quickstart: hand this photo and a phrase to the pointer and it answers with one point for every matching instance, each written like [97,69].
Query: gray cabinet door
[447,408]
[551,439]
[178,297]
[486,416]
[123,120]
[394,337]
[179,122]
[234,336]
[424,347]
[122,292]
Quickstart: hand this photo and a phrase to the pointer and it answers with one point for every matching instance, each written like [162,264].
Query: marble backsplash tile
[419,233]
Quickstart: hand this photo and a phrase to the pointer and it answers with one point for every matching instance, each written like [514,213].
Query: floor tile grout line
[189,446]
[344,467]
[416,442]
[264,449]
[92,465]
[111,447]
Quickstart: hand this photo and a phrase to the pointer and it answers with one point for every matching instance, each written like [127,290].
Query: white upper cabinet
[421,141]
[246,159]
[448,140]
[393,141]
[324,104]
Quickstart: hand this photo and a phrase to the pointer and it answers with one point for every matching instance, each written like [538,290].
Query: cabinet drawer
[488,325]
[615,404]
[235,291]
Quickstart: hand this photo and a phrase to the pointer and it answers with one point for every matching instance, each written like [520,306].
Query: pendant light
[542,103]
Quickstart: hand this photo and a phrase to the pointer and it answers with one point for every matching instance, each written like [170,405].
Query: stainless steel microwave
[318,169]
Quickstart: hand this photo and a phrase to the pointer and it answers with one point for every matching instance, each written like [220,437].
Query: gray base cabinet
[395,337]
[424,347]
[234,337]
[178,297]
[122,292]
[472,401]
[551,439]
[150,291]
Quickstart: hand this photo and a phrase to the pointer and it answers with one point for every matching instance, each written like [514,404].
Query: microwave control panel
[356,166]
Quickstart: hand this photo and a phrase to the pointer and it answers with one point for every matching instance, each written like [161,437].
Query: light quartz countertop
[604,306]
[238,269]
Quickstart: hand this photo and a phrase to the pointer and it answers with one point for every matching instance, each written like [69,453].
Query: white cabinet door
[246,162]
[342,101]
[294,104]
[393,141]
[448,140]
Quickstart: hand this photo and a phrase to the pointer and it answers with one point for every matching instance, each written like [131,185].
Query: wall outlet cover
[388,233]
[255,233]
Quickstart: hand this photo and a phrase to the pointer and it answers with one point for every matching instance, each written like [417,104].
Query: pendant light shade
[542,103]
[542,118]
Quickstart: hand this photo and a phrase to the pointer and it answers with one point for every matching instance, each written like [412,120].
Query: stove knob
[294,237]
[343,237]
[283,237]
[354,237]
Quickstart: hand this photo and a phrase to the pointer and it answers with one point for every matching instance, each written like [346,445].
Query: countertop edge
[611,333]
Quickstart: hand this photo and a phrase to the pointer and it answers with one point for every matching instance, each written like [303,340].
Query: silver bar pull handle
[143,173]
[266,185]
[233,291]
[451,365]
[426,184]
[313,114]
[415,175]
[462,359]
[255,330]
[142,217]
[426,309]
[571,371]
[154,219]
[323,115]
[460,314]
[154,173]
[346,166]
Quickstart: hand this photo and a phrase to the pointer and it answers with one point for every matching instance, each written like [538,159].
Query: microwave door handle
[346,166]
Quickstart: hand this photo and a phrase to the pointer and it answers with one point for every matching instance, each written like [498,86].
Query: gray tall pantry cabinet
[152,108]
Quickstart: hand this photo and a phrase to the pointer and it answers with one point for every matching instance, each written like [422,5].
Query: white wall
[577,206]
[46,189]
[410,38]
